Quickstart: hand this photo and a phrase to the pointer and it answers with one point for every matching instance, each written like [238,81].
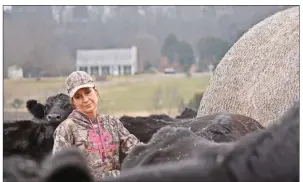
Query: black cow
[144,129]
[177,143]
[155,121]
[168,144]
[35,139]
[270,155]
[55,109]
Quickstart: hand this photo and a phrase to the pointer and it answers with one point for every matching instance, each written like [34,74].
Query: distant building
[14,72]
[108,61]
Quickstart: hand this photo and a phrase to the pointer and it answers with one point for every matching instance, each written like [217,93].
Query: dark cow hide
[20,169]
[144,129]
[66,165]
[55,109]
[154,122]
[35,139]
[176,144]
[167,145]
[28,138]
[269,155]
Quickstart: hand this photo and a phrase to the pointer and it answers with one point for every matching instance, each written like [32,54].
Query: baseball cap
[77,80]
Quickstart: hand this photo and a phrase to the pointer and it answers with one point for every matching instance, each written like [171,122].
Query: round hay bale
[259,76]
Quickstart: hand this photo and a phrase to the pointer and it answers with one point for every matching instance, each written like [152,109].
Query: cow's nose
[53,117]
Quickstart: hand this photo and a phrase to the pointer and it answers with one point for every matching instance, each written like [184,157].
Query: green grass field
[119,95]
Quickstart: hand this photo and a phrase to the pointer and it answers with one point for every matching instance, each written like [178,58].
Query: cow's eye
[46,107]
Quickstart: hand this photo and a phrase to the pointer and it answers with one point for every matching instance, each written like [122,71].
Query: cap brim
[73,91]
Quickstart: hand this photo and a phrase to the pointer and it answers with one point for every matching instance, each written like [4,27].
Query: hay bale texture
[259,76]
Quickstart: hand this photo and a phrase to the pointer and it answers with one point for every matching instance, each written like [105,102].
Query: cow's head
[66,165]
[56,108]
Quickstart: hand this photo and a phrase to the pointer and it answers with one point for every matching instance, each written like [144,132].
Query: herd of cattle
[217,147]
[258,77]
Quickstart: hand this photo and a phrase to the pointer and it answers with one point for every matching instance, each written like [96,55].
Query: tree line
[43,39]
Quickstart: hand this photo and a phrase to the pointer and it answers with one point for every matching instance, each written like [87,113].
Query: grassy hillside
[119,95]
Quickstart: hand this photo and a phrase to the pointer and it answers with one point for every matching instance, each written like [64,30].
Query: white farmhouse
[108,61]
[14,72]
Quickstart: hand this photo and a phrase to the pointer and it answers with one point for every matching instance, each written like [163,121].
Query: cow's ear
[67,165]
[35,108]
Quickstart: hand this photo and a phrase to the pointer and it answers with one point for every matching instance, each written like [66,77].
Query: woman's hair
[100,100]
[97,93]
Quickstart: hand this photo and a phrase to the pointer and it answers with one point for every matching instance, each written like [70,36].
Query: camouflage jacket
[101,151]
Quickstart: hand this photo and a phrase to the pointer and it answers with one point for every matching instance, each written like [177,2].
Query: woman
[99,136]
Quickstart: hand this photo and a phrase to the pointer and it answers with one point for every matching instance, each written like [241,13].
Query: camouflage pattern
[77,80]
[76,131]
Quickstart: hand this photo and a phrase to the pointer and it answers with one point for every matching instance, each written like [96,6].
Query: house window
[127,69]
[83,68]
[94,70]
[105,70]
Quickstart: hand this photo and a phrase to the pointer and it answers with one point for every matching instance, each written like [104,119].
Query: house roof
[104,53]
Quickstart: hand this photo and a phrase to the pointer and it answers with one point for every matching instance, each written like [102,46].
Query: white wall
[110,57]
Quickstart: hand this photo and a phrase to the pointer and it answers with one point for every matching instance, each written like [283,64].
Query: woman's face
[85,100]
